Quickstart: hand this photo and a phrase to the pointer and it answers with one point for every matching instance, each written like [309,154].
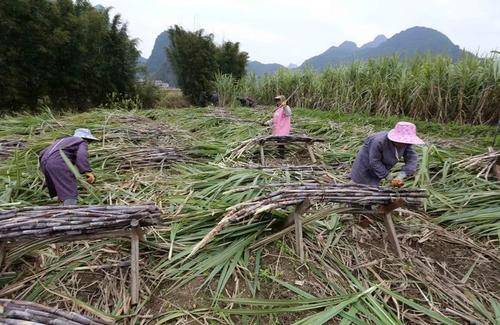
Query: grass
[350,276]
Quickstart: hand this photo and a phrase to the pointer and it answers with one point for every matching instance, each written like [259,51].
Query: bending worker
[59,179]
[382,150]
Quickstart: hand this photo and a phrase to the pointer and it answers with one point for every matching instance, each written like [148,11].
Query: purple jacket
[75,149]
[376,158]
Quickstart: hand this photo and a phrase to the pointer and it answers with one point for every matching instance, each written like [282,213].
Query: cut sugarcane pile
[484,162]
[294,194]
[7,147]
[138,128]
[149,157]
[245,145]
[290,168]
[234,119]
[17,312]
[51,221]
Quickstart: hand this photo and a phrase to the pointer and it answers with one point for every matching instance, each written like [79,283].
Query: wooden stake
[297,217]
[262,160]
[311,153]
[3,254]
[391,233]
[134,262]
[385,211]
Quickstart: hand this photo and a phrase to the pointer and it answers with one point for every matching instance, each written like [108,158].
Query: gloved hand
[90,177]
[396,182]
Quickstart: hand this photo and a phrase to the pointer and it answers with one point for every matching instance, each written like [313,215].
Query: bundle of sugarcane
[137,133]
[484,163]
[7,147]
[293,194]
[18,312]
[291,168]
[235,119]
[67,221]
[149,157]
[245,145]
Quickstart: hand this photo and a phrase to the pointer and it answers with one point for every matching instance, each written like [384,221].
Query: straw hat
[405,132]
[280,97]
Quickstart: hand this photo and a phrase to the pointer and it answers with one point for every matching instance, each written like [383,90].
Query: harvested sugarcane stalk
[149,157]
[72,221]
[245,145]
[235,119]
[294,194]
[18,312]
[485,163]
[138,129]
[7,147]
[292,168]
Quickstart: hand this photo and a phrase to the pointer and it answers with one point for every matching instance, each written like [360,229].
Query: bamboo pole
[134,262]
[3,253]
[386,212]
[391,234]
[262,159]
[297,217]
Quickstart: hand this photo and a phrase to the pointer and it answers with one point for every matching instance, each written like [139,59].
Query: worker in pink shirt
[281,123]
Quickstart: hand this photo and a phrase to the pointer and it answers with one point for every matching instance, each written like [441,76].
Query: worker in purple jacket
[382,150]
[59,179]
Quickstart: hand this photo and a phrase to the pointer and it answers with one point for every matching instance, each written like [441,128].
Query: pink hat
[405,132]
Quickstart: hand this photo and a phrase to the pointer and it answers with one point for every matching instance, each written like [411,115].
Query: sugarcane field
[217,243]
[249,162]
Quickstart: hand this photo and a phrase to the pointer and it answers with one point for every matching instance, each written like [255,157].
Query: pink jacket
[282,124]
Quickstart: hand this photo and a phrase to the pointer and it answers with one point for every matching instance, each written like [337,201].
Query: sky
[280,31]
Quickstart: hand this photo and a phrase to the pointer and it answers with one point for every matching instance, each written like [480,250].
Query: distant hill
[158,65]
[376,42]
[261,69]
[406,44]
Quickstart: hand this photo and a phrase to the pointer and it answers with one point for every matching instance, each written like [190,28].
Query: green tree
[196,61]
[230,60]
[67,53]
[193,58]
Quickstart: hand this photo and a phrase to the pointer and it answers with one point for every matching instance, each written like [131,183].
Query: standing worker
[281,123]
[382,151]
[59,179]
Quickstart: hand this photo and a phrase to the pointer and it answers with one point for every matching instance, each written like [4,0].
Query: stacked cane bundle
[138,128]
[67,221]
[148,157]
[291,168]
[7,147]
[484,163]
[245,145]
[294,194]
[17,312]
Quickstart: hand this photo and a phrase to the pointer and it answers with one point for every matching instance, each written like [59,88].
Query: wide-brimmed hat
[405,132]
[280,97]
[84,134]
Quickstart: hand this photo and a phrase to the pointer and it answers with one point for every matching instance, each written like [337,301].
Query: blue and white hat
[84,134]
